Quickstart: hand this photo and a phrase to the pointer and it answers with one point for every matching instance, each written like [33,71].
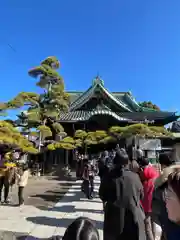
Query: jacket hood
[164,175]
[150,173]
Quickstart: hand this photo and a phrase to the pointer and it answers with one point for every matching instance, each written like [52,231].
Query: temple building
[98,109]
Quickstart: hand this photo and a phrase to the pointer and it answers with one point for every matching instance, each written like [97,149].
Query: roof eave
[170,119]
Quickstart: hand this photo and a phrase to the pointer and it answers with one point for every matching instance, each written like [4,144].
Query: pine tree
[43,110]
[11,138]
[142,130]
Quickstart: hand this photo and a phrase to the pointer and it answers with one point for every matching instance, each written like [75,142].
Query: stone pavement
[26,221]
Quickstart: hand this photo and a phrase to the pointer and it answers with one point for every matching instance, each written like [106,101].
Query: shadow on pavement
[58,196]
[55,222]
[66,206]
[51,196]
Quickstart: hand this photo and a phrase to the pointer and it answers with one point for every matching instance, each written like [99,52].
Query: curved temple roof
[124,100]
[129,117]
[86,96]
[129,109]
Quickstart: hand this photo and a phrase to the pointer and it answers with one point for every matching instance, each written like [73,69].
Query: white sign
[150,144]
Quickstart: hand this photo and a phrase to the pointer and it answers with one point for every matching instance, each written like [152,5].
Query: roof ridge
[74,103]
[119,92]
[91,90]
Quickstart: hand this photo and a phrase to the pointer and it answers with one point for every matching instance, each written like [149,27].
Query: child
[22,177]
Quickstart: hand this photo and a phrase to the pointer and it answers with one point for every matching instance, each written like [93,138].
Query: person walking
[3,170]
[88,179]
[122,191]
[78,166]
[22,176]
[7,180]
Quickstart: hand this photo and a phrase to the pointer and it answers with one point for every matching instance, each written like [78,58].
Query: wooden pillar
[85,144]
[73,129]
[66,157]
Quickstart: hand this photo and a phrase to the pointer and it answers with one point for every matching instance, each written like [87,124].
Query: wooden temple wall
[53,161]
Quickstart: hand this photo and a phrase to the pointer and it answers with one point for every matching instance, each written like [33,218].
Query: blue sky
[133,44]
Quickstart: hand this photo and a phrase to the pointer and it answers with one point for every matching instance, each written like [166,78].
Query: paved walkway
[29,221]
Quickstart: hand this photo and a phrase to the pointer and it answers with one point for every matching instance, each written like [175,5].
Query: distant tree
[149,105]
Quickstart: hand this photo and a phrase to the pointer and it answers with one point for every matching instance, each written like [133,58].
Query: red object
[149,174]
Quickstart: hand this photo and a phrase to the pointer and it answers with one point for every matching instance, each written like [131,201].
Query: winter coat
[174,233]
[3,171]
[134,166]
[124,216]
[159,212]
[148,175]
[23,178]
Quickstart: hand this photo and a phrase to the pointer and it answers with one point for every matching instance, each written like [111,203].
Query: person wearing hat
[122,191]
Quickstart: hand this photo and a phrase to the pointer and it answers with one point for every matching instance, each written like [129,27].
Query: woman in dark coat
[122,190]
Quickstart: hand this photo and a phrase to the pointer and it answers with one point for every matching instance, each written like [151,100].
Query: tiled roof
[156,115]
[124,100]
[74,95]
[83,98]
[74,116]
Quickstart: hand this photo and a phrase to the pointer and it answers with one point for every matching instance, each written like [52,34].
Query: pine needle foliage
[41,108]
[12,138]
[83,138]
[67,143]
[139,129]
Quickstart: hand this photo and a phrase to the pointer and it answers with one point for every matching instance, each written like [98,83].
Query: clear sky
[133,44]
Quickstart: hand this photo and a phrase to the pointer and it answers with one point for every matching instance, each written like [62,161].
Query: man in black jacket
[122,190]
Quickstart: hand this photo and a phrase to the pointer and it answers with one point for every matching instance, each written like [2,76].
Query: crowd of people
[136,195]
[9,176]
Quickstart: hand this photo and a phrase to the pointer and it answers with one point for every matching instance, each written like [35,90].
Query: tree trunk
[40,141]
